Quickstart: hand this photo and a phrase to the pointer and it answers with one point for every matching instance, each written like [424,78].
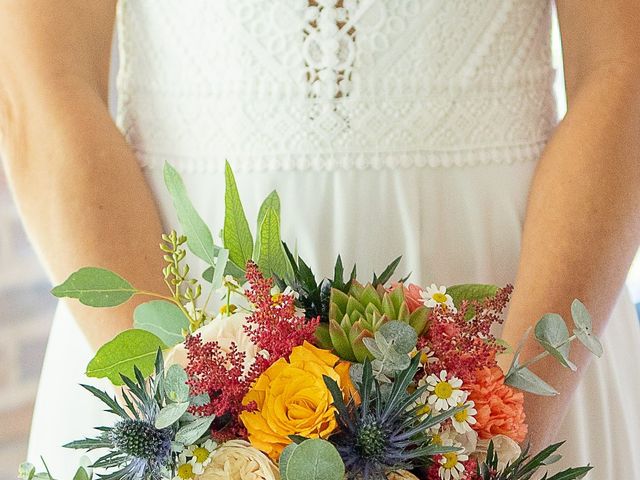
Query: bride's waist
[198,131]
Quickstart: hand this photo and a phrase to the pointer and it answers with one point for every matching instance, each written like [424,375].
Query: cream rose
[225,330]
[506,449]
[238,460]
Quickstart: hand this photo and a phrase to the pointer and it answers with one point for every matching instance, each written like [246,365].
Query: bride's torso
[320,84]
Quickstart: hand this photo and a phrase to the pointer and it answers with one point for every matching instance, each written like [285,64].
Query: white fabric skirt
[452,225]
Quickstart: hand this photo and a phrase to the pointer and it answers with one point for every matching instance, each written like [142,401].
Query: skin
[79,189]
[582,224]
[54,85]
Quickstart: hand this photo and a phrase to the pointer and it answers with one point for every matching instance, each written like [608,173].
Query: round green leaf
[175,384]
[163,319]
[591,342]
[313,459]
[400,335]
[581,317]
[118,357]
[95,287]
[552,334]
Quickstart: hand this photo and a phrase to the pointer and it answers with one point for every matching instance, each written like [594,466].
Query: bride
[424,127]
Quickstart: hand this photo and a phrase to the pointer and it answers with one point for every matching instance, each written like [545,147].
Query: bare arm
[81,193]
[582,225]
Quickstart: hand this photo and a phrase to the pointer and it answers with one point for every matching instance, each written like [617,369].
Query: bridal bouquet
[255,370]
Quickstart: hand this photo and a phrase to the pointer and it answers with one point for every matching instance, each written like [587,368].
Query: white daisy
[451,466]
[201,455]
[422,403]
[433,296]
[184,469]
[427,356]
[463,419]
[444,393]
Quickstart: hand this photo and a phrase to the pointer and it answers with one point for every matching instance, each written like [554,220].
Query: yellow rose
[237,460]
[292,399]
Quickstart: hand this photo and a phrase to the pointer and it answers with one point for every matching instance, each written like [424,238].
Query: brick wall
[26,310]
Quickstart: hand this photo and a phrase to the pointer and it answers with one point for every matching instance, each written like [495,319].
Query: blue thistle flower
[137,449]
[385,432]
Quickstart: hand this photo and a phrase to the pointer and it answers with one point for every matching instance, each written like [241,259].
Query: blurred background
[26,310]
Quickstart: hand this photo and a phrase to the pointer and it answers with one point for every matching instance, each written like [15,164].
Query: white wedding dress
[387,126]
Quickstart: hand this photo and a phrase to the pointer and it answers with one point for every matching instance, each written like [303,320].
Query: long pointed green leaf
[236,233]
[271,256]
[199,238]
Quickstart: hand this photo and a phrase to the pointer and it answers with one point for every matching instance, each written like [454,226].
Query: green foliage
[184,290]
[163,319]
[270,255]
[129,349]
[95,287]
[525,467]
[236,234]
[386,274]
[175,384]
[470,292]
[190,432]
[313,296]
[524,379]
[583,328]
[199,238]
[361,313]
[391,346]
[312,459]
[552,333]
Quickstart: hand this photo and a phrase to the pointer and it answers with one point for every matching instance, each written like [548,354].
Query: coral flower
[291,398]
[500,409]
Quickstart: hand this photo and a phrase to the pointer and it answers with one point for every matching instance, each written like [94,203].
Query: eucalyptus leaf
[170,414]
[236,233]
[313,459]
[175,384]
[191,432]
[400,335]
[130,348]
[163,319]
[591,342]
[525,379]
[584,328]
[199,238]
[95,287]
[551,332]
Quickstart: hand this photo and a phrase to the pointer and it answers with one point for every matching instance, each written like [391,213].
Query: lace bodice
[323,84]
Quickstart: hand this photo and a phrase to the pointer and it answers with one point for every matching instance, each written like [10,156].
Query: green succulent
[360,313]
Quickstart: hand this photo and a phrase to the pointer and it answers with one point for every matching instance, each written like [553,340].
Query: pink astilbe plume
[273,327]
[460,346]
[221,375]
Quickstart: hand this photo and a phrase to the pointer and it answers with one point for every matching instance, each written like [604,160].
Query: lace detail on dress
[325,84]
